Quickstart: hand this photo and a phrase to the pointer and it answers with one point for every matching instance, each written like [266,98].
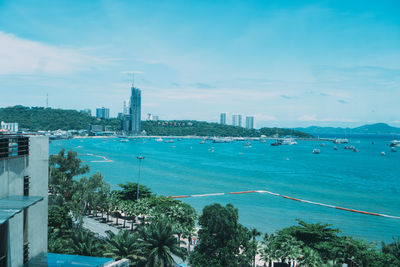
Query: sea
[364,180]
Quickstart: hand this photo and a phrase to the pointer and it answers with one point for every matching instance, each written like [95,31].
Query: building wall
[38,213]
[12,171]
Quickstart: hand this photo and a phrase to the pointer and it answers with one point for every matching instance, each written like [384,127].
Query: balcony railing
[12,146]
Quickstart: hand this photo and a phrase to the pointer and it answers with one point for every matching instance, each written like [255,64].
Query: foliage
[129,191]
[223,241]
[39,118]
[123,245]
[160,244]
[201,128]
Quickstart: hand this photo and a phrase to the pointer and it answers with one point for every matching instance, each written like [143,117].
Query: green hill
[39,118]
[201,128]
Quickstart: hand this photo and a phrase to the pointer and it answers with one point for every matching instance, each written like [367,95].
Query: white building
[223,118]
[237,120]
[250,122]
[23,198]
[10,127]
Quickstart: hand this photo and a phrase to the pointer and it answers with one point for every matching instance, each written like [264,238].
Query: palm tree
[254,233]
[85,243]
[310,258]
[123,245]
[160,244]
[268,253]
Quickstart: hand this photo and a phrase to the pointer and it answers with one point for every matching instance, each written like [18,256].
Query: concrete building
[250,122]
[237,120]
[131,123]
[23,198]
[10,127]
[222,118]
[102,113]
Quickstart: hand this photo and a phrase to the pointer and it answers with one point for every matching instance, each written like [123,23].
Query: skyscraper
[223,118]
[250,122]
[131,122]
[103,113]
[237,120]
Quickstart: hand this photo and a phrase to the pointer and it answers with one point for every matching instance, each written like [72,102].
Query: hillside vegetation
[39,118]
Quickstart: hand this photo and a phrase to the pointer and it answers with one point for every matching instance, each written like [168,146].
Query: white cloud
[21,56]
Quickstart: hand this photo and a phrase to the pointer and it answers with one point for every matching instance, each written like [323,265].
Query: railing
[13,146]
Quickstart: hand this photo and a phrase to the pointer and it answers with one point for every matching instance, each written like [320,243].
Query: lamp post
[140,163]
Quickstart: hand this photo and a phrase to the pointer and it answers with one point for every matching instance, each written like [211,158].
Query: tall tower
[135,110]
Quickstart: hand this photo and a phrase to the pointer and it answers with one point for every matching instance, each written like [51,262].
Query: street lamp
[140,163]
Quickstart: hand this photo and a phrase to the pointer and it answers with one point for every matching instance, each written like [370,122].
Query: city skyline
[290,64]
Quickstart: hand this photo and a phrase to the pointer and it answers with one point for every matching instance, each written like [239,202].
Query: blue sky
[289,63]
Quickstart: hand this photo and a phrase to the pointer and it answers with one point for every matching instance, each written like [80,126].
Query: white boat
[341,141]
[159,139]
[124,140]
[395,143]
[316,151]
[288,141]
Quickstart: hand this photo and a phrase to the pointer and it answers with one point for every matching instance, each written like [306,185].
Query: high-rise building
[103,113]
[155,118]
[250,122]
[237,120]
[125,109]
[131,123]
[149,117]
[223,117]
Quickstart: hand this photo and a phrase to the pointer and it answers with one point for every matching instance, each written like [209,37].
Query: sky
[289,63]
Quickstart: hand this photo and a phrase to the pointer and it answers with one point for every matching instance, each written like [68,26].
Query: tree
[63,168]
[254,244]
[160,244]
[85,243]
[269,251]
[310,258]
[223,241]
[123,245]
[129,191]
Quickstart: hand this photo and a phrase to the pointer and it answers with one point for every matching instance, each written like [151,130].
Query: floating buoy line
[97,156]
[290,198]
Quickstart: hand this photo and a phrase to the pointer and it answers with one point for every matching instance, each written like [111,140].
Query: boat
[247,144]
[383,153]
[124,140]
[316,151]
[395,143]
[288,141]
[323,144]
[355,150]
[263,141]
[169,141]
[394,149]
[341,141]
[335,148]
[159,139]
[222,140]
[277,143]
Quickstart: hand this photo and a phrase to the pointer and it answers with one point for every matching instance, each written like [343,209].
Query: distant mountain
[376,128]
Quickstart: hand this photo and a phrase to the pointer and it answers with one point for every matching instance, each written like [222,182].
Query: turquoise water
[364,180]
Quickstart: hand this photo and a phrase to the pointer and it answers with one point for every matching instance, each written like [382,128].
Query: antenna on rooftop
[133,79]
